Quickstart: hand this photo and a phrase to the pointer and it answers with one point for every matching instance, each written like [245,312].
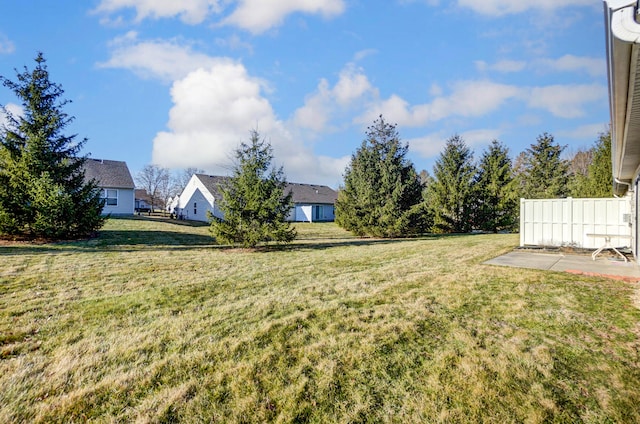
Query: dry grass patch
[151,322]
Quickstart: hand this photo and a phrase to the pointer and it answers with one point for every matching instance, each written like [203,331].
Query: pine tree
[545,174]
[254,202]
[382,193]
[450,194]
[600,174]
[43,192]
[496,190]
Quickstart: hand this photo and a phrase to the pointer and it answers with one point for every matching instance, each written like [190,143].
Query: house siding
[312,213]
[197,207]
[126,202]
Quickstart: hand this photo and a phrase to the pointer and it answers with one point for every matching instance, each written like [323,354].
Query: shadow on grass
[149,238]
[162,241]
[115,240]
[137,240]
[161,219]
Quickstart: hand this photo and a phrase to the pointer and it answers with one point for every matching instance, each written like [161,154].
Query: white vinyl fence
[583,223]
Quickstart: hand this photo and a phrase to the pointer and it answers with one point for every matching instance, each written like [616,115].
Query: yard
[151,322]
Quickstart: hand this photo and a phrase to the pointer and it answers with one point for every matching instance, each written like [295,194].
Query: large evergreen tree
[600,172]
[382,193]
[450,194]
[496,192]
[545,173]
[254,201]
[43,192]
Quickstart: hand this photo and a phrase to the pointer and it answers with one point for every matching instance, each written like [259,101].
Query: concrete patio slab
[604,266]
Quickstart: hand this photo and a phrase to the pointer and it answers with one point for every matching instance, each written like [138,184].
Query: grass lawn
[152,322]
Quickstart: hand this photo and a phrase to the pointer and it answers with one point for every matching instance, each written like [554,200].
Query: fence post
[522,220]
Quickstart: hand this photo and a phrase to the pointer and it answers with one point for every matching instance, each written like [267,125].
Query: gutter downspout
[623,20]
[617,181]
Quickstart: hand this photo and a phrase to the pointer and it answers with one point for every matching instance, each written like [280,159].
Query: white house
[623,65]
[201,195]
[312,203]
[114,178]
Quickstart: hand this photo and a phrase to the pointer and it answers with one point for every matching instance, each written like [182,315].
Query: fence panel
[579,223]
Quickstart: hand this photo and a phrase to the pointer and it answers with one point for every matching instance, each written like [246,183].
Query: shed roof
[108,173]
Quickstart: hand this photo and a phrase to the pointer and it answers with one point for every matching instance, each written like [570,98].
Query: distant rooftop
[108,173]
[302,193]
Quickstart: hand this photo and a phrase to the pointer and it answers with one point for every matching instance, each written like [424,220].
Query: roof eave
[623,36]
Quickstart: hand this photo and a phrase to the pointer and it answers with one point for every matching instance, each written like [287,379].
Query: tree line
[44,194]
[383,196]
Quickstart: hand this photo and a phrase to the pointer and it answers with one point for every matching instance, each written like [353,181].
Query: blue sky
[182,83]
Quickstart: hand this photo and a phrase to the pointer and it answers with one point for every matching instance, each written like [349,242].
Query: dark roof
[108,173]
[212,183]
[312,193]
[302,193]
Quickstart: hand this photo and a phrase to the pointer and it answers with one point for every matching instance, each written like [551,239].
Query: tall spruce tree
[43,192]
[496,191]
[450,194]
[545,173]
[382,193]
[254,201]
[599,181]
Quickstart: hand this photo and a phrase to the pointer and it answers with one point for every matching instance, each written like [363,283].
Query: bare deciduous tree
[156,181]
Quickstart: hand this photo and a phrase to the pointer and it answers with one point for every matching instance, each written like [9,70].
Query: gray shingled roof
[108,173]
[302,193]
[212,183]
[312,193]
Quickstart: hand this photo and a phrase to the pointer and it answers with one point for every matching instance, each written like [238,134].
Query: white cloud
[6,45]
[570,63]
[590,131]
[468,99]
[164,60]
[504,66]
[472,99]
[255,16]
[258,16]
[353,87]
[566,101]
[429,145]
[433,144]
[360,55]
[507,7]
[216,104]
[234,43]
[189,11]
[214,110]
[14,109]
[480,137]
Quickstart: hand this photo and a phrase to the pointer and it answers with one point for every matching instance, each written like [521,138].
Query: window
[195,208]
[110,196]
